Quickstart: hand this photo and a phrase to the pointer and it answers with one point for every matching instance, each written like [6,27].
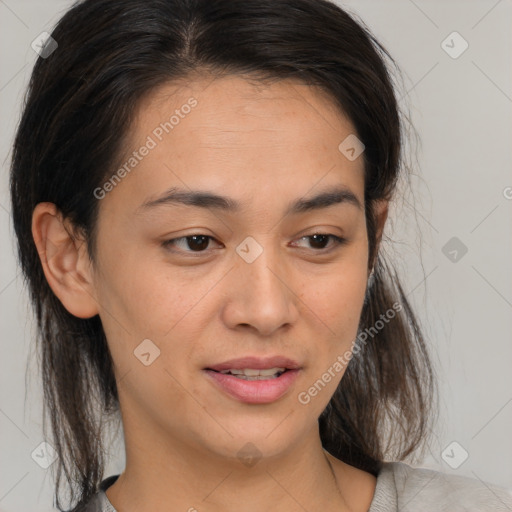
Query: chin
[268,438]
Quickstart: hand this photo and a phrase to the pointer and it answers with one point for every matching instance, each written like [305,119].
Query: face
[260,273]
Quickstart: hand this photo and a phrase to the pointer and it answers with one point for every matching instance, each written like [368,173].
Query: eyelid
[167,243]
[338,241]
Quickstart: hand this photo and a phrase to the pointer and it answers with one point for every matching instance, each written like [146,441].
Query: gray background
[461,107]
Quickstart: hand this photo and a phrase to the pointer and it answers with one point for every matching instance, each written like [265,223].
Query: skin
[264,146]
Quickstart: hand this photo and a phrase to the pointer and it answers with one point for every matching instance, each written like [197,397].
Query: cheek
[337,297]
[339,310]
[338,306]
[148,297]
[153,299]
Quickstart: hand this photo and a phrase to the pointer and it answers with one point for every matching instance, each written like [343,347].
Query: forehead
[240,106]
[236,135]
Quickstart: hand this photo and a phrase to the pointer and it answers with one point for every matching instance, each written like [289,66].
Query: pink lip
[255,391]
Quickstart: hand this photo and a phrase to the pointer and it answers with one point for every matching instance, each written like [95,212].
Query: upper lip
[256,363]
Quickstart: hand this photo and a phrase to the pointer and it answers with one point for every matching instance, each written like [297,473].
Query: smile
[255,374]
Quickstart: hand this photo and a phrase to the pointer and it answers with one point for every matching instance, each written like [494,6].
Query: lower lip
[254,391]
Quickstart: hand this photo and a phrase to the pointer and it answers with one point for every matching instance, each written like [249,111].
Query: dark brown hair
[79,107]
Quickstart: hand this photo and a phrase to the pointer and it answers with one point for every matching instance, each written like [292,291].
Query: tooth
[253,373]
[259,377]
[249,372]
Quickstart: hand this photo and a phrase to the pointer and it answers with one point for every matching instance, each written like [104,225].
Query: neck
[181,477]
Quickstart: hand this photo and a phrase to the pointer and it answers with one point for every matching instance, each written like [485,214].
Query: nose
[261,295]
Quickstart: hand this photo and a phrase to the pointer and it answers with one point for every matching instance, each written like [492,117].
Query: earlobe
[65,261]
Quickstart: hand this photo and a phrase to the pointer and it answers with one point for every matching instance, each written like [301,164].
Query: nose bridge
[262,297]
[261,272]
[263,275]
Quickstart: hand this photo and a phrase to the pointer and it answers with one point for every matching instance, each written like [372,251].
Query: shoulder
[404,487]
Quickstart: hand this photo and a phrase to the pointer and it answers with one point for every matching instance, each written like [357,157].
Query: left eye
[320,239]
[198,243]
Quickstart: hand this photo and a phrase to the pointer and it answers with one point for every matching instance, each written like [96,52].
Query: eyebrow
[205,199]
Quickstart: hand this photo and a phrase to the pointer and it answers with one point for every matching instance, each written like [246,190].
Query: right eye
[197,243]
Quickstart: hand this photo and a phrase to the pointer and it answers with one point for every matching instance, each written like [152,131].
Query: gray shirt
[402,488]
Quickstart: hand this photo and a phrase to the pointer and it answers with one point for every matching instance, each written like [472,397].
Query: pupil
[195,238]
[316,238]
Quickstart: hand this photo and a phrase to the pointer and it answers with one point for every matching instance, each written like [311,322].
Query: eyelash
[338,241]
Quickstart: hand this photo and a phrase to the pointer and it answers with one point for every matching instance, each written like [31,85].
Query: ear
[66,264]
[380,209]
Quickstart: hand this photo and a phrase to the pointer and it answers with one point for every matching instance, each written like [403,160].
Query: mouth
[254,380]
[253,373]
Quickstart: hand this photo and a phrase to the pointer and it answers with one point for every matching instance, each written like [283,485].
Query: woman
[199,193]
